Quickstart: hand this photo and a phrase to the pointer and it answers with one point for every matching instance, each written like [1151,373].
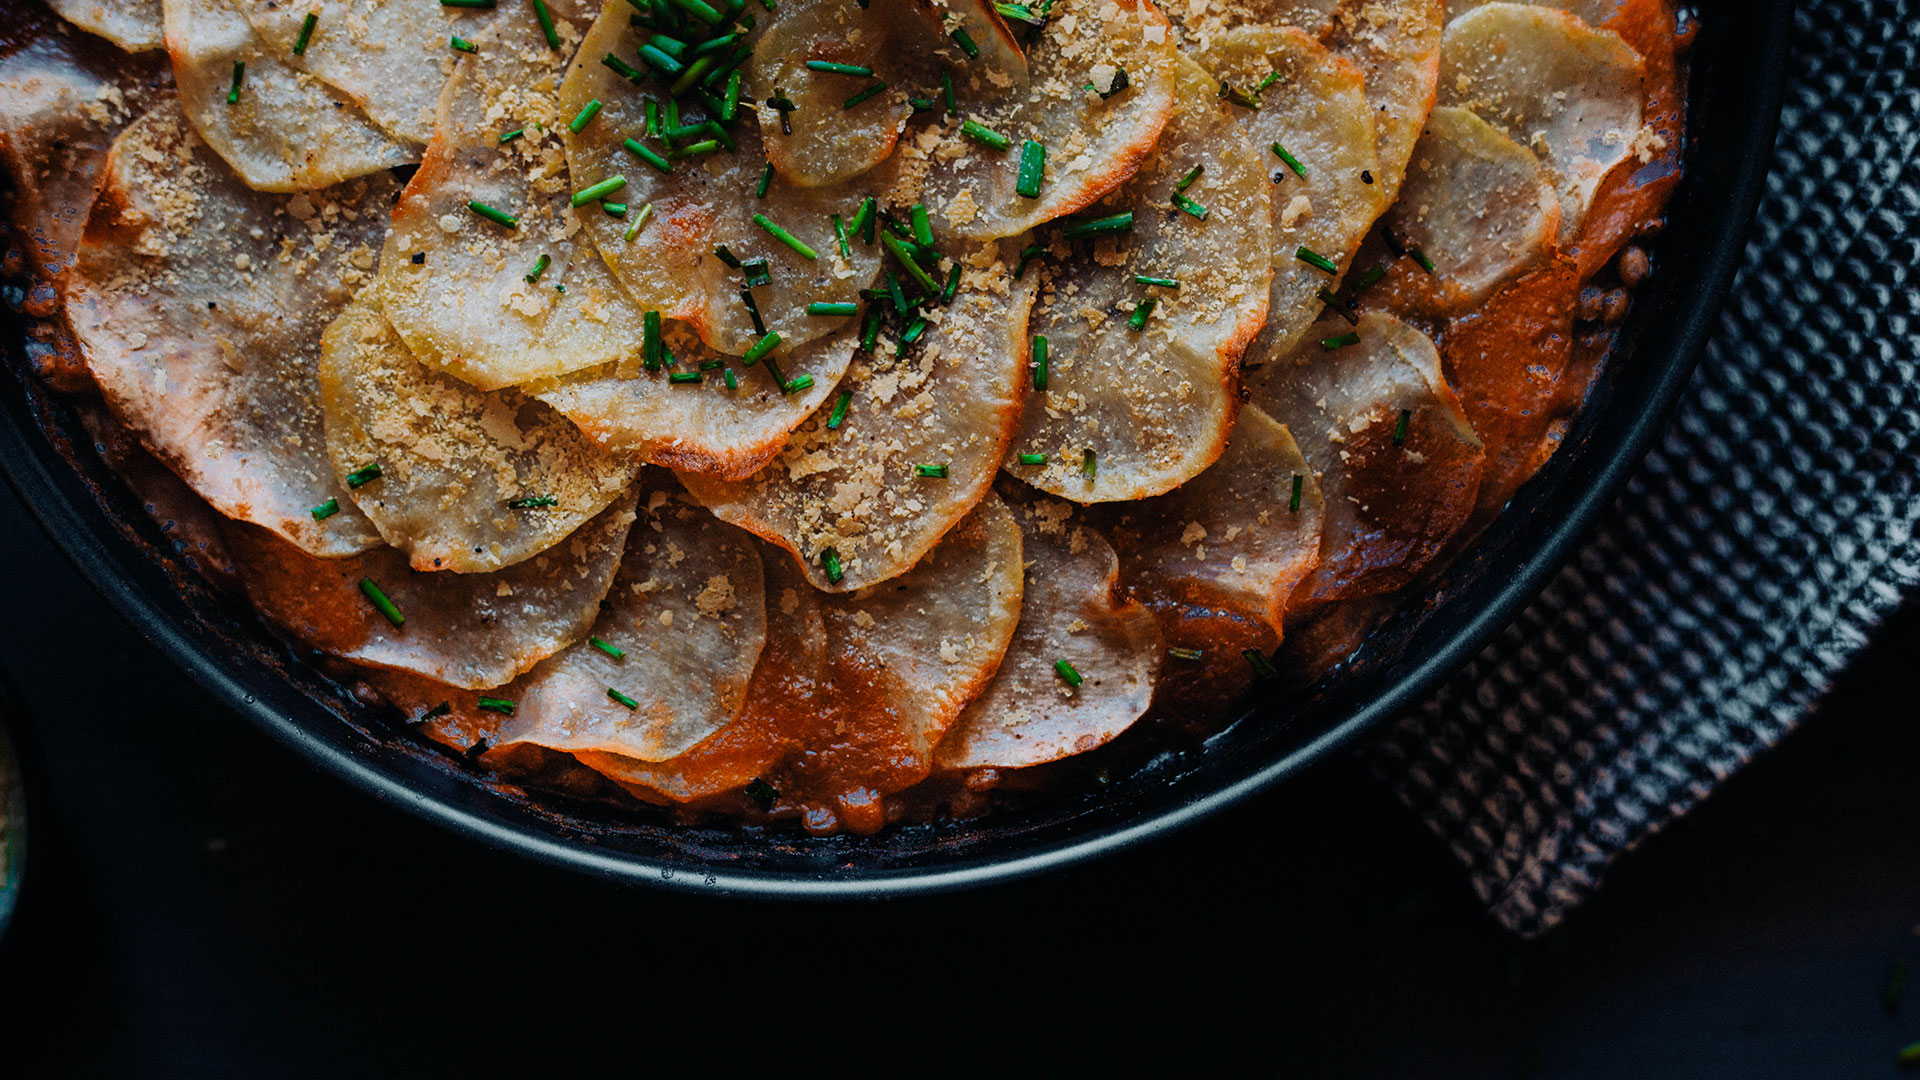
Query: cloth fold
[1755,549]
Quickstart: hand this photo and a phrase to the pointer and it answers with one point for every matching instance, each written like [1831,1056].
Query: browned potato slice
[1034,712]
[1593,12]
[133,25]
[706,427]
[1235,537]
[1396,44]
[453,460]
[1568,92]
[688,616]
[1152,405]
[856,690]
[1397,461]
[284,130]
[705,203]
[1202,22]
[199,304]
[1476,203]
[472,296]
[468,630]
[950,402]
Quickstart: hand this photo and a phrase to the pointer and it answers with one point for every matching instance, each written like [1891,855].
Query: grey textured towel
[1764,537]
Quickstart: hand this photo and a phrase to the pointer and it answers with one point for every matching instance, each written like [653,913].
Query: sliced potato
[133,25]
[1033,711]
[1593,12]
[856,690]
[688,616]
[704,204]
[199,304]
[494,304]
[1398,464]
[1396,44]
[283,130]
[1126,412]
[1480,206]
[1235,537]
[453,460]
[951,403]
[1202,22]
[1568,92]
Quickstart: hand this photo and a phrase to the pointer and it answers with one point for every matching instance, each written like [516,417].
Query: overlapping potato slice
[468,630]
[1130,412]
[1396,44]
[133,25]
[1570,93]
[856,690]
[199,304]
[1398,463]
[688,616]
[391,57]
[1202,22]
[453,461]
[1236,537]
[706,427]
[904,43]
[283,130]
[1316,110]
[1033,712]
[1093,143]
[706,202]
[950,403]
[1480,206]
[490,303]
[1592,12]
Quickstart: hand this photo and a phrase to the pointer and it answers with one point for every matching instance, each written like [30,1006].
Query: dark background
[200,902]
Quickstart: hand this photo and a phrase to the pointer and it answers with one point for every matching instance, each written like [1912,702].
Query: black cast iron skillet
[1738,73]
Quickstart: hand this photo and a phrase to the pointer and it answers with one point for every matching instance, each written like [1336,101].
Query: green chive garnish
[1194,209]
[1337,306]
[704,146]
[495,704]
[1187,180]
[733,382]
[539,267]
[1272,77]
[614,209]
[239,73]
[1033,459]
[1293,504]
[840,237]
[1262,667]
[622,698]
[533,502]
[658,59]
[761,349]
[922,228]
[1163,282]
[684,377]
[1115,223]
[700,10]
[758,272]
[785,237]
[952,286]
[1341,342]
[380,602]
[937,472]
[912,335]
[599,191]
[1068,673]
[461,44]
[830,562]
[1039,362]
[1089,464]
[363,475]
[1033,166]
[863,219]
[726,256]
[587,113]
[1292,162]
[821,307]
[1144,308]
[306,34]
[1238,96]
[1370,278]
[498,217]
[800,382]
[611,650]
[839,413]
[766,180]
[1316,260]
[1027,255]
[946,91]
[760,791]
[753,310]
[1420,257]
[1184,654]
[651,345]
[436,712]
[899,249]
[863,95]
[984,135]
[546,24]
[870,333]
[961,38]
[509,136]
[1400,429]
[325,510]
[832,68]
[622,68]
[639,219]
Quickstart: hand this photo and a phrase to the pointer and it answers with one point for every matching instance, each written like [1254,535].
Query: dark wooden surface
[200,903]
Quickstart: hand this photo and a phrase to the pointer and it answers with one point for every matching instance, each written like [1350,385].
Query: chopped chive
[684,377]
[863,95]
[922,228]
[726,256]
[758,272]
[622,698]
[839,414]
[704,146]
[1187,180]
[614,651]
[1163,282]
[1370,278]
[921,104]
[1238,96]
[766,180]
[1033,459]
[761,349]
[946,91]
[821,307]
[1141,311]
[306,34]
[911,335]
[1193,209]
[639,219]
[802,381]
[460,44]
[863,220]
[785,237]
[840,236]
[699,10]
[1021,12]
[1400,429]
[830,562]
[509,136]
[695,72]
[364,475]
[1393,243]
[614,209]
[730,98]
[784,106]
[498,217]
[546,24]
[952,286]
[657,59]
[870,333]
[1068,673]
[936,472]
[380,602]
[651,345]
[1027,255]
[1338,306]
[1115,223]
[984,135]
[1184,654]
[1262,667]
[832,68]
[599,191]
[622,68]
[239,73]
[1341,342]
[1033,167]
[325,510]
[1272,77]
[753,311]
[494,704]
[539,268]
[533,502]
[773,372]
[1420,258]
[899,249]
[1089,464]
[1316,260]
[760,791]
[965,41]
[733,383]
[899,298]
[587,113]
[719,44]
[1292,162]
[1293,504]
[435,713]
[1039,361]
